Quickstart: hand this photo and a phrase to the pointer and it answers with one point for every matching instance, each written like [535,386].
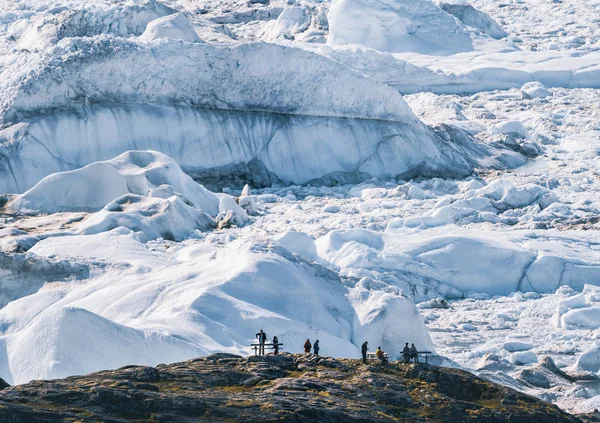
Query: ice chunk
[247,201]
[170,219]
[331,208]
[493,362]
[473,18]
[514,346]
[535,90]
[544,374]
[589,360]
[585,318]
[396,26]
[514,128]
[299,243]
[94,186]
[231,212]
[175,26]
[522,358]
[292,20]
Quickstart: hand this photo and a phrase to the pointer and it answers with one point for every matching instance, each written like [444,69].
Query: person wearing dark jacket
[316,347]
[275,345]
[413,353]
[262,338]
[406,354]
[307,346]
[364,349]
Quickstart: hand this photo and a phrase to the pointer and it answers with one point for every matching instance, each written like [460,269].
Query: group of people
[315,347]
[262,341]
[408,353]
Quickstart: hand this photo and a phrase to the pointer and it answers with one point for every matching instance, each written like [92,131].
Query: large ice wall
[218,111]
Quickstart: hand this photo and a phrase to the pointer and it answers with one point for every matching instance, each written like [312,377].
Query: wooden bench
[266,346]
[425,354]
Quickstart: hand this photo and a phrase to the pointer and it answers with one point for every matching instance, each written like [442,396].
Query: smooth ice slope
[432,262]
[203,300]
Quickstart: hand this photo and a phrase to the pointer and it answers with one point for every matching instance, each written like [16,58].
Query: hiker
[275,345]
[316,347]
[380,355]
[307,346]
[262,338]
[364,348]
[406,354]
[413,353]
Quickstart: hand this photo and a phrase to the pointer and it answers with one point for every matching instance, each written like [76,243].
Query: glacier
[423,175]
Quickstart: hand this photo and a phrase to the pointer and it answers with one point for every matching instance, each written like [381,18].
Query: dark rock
[431,377]
[274,388]
[141,374]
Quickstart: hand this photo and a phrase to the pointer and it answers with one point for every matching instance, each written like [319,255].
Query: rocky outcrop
[285,388]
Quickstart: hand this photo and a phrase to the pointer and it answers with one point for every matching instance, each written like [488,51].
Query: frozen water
[377,138]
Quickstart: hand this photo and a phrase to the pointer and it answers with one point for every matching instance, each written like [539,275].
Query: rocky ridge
[284,388]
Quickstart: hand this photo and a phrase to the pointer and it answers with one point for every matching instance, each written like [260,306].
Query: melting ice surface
[451,155]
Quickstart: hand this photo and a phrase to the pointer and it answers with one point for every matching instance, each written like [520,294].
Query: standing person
[364,349]
[307,346]
[262,338]
[406,354]
[316,347]
[275,345]
[413,353]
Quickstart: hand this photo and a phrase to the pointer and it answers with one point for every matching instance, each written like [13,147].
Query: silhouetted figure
[307,346]
[364,349]
[275,345]
[262,338]
[413,353]
[406,354]
[316,347]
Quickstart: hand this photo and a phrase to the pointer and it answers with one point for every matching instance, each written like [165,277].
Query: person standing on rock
[307,346]
[262,338]
[275,345]
[406,354]
[413,353]
[364,349]
[316,347]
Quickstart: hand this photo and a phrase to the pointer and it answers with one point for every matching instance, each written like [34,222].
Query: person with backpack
[275,345]
[364,349]
[316,347]
[307,346]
